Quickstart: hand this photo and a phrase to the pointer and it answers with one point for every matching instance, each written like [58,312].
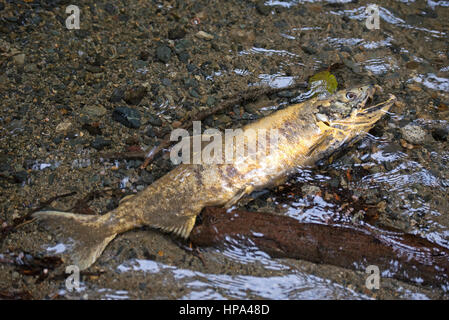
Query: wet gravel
[136,69]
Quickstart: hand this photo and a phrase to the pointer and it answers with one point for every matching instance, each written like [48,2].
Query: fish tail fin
[84,236]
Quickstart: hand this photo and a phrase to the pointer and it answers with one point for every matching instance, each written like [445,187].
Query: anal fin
[182,227]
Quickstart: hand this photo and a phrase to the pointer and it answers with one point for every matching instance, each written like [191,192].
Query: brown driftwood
[402,256]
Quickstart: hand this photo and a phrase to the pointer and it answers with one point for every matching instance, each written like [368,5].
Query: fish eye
[350,95]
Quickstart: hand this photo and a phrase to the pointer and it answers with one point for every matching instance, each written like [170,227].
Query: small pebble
[204,35]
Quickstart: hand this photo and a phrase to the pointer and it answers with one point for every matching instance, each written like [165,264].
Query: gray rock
[414,134]
[100,143]
[117,95]
[110,8]
[210,101]
[127,116]
[184,57]
[163,53]
[166,82]
[194,93]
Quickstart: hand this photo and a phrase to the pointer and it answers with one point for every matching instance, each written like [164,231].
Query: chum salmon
[306,133]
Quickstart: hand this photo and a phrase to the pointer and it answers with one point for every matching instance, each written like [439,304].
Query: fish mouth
[379,108]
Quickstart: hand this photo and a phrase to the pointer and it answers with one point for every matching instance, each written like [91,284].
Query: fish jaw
[347,120]
[351,110]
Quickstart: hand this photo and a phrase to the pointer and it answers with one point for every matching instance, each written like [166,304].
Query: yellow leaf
[323,81]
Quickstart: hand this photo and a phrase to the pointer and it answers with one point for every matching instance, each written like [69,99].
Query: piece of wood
[398,255]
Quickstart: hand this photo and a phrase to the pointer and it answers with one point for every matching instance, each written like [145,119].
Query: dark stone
[191,67]
[127,116]
[194,93]
[58,139]
[163,53]
[388,165]
[286,94]
[377,131]
[150,132]
[154,89]
[166,82]
[146,177]
[414,19]
[334,182]
[281,24]
[99,60]
[176,33]
[191,83]
[117,95]
[184,57]
[144,55]
[4,166]
[439,134]
[309,50]
[93,69]
[155,121]
[182,45]
[81,33]
[210,101]
[92,129]
[123,17]
[142,286]
[262,8]
[135,94]
[110,8]
[20,176]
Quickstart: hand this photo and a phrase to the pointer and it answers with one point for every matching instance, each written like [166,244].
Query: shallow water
[406,181]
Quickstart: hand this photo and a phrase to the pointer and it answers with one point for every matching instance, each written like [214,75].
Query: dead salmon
[306,133]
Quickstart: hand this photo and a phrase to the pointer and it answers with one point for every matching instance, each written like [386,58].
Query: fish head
[352,110]
[345,117]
